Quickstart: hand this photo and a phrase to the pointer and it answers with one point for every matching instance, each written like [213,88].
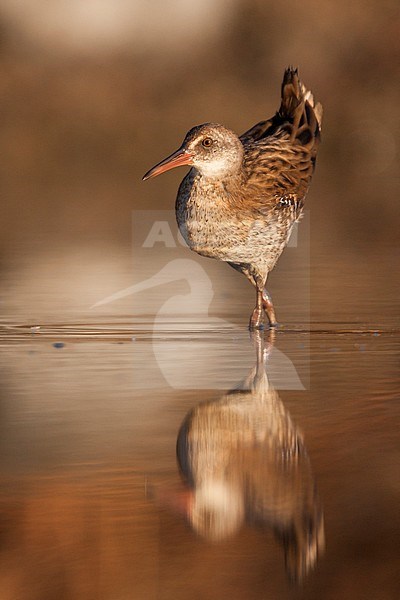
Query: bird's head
[216,152]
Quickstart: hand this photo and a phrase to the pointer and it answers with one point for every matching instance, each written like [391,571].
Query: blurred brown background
[96,92]
[93,93]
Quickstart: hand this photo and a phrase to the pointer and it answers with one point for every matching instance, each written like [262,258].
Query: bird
[244,461]
[243,194]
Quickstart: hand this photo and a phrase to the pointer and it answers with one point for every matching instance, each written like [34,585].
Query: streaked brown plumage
[243,195]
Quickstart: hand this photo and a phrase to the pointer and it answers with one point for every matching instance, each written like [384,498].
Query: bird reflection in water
[244,461]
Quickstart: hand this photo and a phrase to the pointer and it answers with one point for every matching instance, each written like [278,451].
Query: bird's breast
[202,215]
[214,225]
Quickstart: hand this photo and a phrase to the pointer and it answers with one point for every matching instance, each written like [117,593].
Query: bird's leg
[269,308]
[256,319]
[263,344]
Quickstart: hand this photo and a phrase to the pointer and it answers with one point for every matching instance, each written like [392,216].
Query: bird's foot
[269,308]
[256,320]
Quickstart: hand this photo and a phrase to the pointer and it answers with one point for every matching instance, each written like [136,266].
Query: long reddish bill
[177,159]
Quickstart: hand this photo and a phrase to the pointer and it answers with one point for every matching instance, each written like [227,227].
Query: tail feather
[298,114]
[303,538]
[291,93]
[299,110]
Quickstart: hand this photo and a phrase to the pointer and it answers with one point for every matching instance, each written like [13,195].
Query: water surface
[90,415]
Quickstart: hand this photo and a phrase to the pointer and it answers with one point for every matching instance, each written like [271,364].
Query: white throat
[214,169]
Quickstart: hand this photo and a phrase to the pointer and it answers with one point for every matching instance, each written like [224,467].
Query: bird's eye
[207,142]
